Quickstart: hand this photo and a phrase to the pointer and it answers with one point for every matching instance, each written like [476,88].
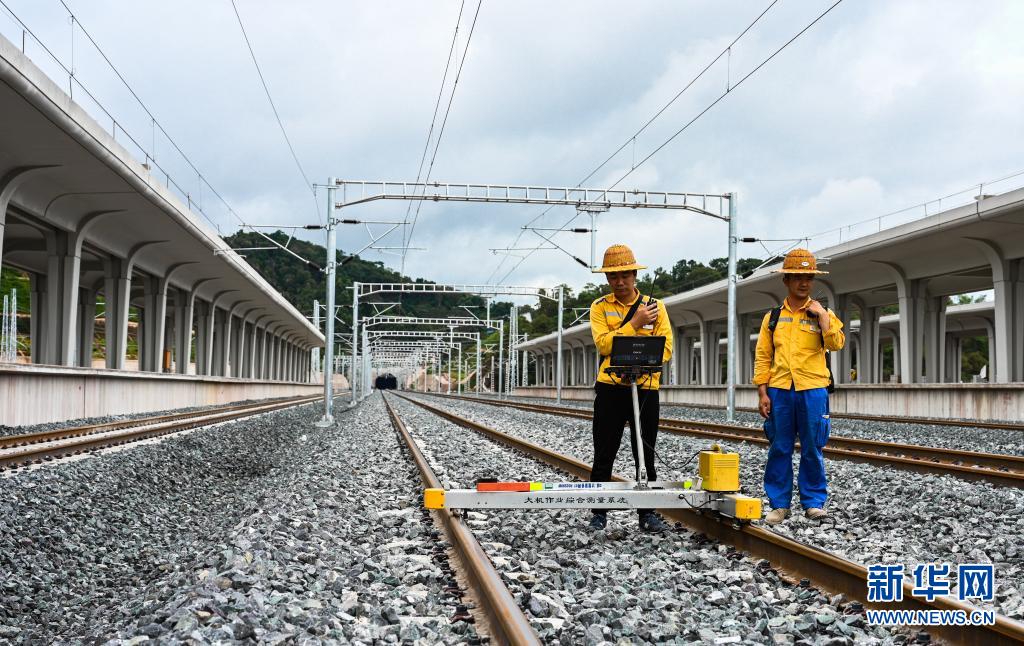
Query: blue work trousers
[803,414]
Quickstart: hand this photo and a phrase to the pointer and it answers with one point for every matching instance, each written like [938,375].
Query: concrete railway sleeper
[1004,470]
[34,448]
[796,559]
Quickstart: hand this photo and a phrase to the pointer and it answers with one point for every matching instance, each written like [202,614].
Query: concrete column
[203,331]
[684,359]
[744,359]
[953,360]
[210,323]
[184,318]
[238,360]
[282,357]
[993,356]
[260,348]
[897,359]
[867,356]
[571,366]
[254,351]
[289,362]
[252,372]
[842,361]
[268,354]
[707,354]
[285,359]
[1008,285]
[911,301]
[37,313]
[221,338]
[229,364]
[935,339]
[156,300]
[715,356]
[275,357]
[62,304]
[86,326]
[154,312]
[116,293]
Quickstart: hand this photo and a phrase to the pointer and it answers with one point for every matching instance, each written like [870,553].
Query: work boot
[652,522]
[816,513]
[599,522]
[776,516]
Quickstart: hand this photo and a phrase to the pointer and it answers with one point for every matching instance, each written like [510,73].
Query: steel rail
[24,439]
[1003,470]
[37,453]
[506,621]
[902,419]
[796,559]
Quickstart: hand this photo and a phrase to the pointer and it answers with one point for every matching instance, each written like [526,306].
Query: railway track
[1003,470]
[927,421]
[34,448]
[902,419]
[506,622]
[796,559]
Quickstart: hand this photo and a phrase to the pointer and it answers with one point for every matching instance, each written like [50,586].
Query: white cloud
[879,106]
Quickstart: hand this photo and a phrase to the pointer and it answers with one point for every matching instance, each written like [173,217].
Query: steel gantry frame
[451,322]
[586,200]
[360,290]
[374,335]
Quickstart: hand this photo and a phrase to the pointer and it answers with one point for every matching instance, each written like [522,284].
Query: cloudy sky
[879,106]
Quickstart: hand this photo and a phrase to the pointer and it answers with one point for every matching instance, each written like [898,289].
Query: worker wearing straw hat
[625,312]
[793,379]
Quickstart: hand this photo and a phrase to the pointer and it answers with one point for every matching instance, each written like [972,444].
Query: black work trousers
[613,408]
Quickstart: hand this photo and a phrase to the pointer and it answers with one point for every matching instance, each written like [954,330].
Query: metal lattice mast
[328,418]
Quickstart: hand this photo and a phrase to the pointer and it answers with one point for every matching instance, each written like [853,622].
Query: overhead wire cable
[444,122]
[689,123]
[155,124]
[277,116]
[632,138]
[726,93]
[433,119]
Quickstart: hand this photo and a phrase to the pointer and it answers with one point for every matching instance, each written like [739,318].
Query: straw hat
[799,261]
[618,257]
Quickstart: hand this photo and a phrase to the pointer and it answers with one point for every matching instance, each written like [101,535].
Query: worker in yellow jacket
[625,312]
[793,378]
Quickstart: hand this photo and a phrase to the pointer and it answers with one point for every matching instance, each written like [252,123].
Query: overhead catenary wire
[277,116]
[727,92]
[156,125]
[632,138]
[444,121]
[433,119]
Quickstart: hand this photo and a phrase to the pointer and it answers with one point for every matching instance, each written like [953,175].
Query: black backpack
[773,322]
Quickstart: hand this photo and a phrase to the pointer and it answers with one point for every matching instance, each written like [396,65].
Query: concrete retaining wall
[41,394]
[989,402]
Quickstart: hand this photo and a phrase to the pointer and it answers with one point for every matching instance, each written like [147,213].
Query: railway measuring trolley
[716,486]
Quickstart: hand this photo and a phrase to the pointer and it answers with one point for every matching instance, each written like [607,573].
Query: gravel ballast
[267,529]
[877,515]
[622,585]
[961,438]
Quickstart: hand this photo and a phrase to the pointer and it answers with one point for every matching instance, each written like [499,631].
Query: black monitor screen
[637,351]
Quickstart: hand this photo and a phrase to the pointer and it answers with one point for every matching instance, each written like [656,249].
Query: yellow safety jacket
[606,314]
[798,355]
